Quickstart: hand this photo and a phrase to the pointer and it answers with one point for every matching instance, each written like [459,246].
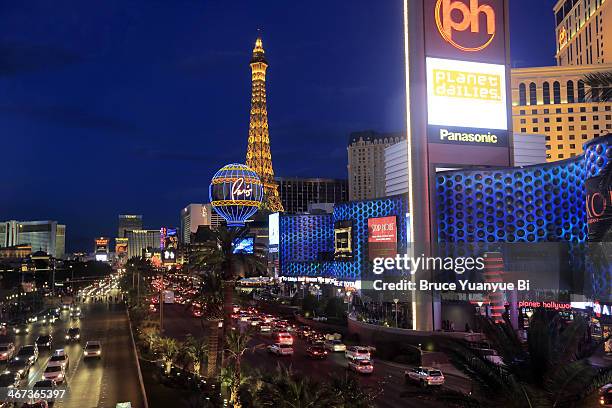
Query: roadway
[90,383]
[387,379]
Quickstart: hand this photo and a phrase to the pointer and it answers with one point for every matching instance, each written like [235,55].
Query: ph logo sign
[458,16]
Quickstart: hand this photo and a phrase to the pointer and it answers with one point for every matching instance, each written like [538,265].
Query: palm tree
[600,86]
[218,257]
[168,349]
[236,344]
[197,351]
[286,389]
[553,370]
[351,394]
[210,299]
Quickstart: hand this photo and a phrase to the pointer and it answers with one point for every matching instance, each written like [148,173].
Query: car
[48,384]
[44,341]
[3,329]
[196,312]
[265,328]
[9,380]
[361,366]
[19,368]
[334,345]
[491,355]
[281,349]
[32,319]
[316,351]
[7,350]
[22,328]
[284,337]
[55,373]
[75,314]
[424,376]
[73,334]
[605,396]
[357,353]
[92,349]
[254,321]
[28,352]
[60,358]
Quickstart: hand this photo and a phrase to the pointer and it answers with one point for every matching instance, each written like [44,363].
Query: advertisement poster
[382,237]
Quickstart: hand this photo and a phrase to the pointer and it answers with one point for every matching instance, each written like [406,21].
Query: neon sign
[469,20]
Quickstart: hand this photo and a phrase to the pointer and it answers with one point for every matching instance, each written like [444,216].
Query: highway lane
[99,383]
[388,378]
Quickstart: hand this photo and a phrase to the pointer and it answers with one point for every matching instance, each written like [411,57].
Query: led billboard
[243,245]
[274,232]
[343,240]
[382,237]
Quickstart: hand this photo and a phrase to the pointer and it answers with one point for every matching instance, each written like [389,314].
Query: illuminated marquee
[469,85]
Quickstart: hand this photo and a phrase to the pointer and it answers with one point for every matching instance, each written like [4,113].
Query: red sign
[547,305]
[382,237]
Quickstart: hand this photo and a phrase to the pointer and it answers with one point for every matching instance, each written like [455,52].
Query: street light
[395,301]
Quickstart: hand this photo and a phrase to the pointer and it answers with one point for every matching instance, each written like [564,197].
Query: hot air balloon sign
[235,193]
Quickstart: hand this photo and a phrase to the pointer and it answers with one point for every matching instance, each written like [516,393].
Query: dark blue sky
[129,106]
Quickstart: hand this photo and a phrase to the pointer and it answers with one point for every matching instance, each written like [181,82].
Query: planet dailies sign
[235,193]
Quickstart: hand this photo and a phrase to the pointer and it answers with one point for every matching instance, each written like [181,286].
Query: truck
[66,302]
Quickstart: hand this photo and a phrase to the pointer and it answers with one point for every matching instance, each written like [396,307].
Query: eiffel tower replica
[258,156]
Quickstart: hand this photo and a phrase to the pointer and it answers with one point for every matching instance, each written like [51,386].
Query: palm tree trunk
[228,305]
[213,348]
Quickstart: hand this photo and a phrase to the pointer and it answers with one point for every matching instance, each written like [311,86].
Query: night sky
[129,106]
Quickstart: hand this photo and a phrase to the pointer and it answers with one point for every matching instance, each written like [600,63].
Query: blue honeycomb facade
[305,238]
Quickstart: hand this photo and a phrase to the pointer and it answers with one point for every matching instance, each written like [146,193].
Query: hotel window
[570,110]
[572,137]
[534,111]
[534,120]
[559,128]
[581,92]
[546,90]
[560,155]
[557,92]
[523,130]
[522,112]
[608,108]
[523,121]
[533,97]
[558,120]
[559,137]
[584,137]
[608,126]
[572,146]
[546,111]
[571,128]
[547,147]
[558,110]
[535,130]
[570,92]
[547,138]
[583,127]
[595,127]
[546,120]
[572,154]
[583,109]
[608,117]
[583,118]
[547,129]
[570,119]
[595,109]
[595,117]
[522,96]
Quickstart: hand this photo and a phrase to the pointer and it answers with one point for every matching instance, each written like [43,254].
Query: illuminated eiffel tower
[258,156]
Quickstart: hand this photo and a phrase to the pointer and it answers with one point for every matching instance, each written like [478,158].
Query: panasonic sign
[486,138]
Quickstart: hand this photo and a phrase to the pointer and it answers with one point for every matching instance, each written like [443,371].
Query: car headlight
[98,352]
[67,337]
[20,372]
[78,336]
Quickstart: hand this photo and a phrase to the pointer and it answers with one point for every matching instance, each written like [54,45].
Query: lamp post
[395,301]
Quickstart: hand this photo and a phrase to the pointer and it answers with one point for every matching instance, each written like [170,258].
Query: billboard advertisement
[382,237]
[274,232]
[599,206]
[121,245]
[343,240]
[243,245]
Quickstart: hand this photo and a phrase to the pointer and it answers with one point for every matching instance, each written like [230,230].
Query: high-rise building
[553,101]
[195,215]
[60,241]
[41,235]
[128,222]
[142,239]
[259,157]
[9,233]
[366,163]
[580,32]
[297,193]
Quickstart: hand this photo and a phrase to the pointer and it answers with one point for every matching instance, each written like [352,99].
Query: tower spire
[259,157]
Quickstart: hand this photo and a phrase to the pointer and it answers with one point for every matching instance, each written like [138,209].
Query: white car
[54,373]
[425,376]
[265,328]
[361,366]
[334,345]
[92,349]
[281,349]
[357,353]
[59,358]
[491,355]
[284,337]
[7,351]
